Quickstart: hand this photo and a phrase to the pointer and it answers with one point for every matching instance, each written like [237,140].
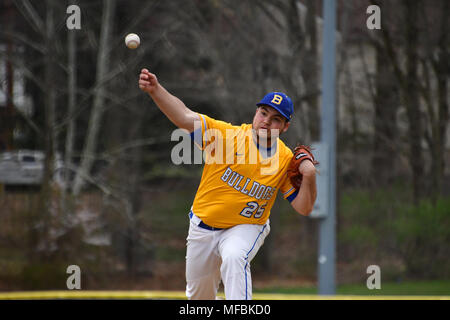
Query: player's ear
[286,126]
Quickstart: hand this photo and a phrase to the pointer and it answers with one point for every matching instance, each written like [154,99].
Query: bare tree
[386,105]
[436,66]
[71,101]
[420,66]
[310,70]
[7,114]
[103,62]
[408,81]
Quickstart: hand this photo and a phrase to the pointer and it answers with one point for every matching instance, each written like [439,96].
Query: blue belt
[204,225]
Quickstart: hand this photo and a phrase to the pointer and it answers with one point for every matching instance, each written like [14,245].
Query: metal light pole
[327,225]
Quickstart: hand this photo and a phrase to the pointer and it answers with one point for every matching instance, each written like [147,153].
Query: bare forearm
[174,109]
[303,203]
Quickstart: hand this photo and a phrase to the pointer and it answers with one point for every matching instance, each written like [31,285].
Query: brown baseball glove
[301,152]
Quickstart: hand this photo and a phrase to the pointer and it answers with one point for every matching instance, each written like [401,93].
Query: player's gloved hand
[296,169]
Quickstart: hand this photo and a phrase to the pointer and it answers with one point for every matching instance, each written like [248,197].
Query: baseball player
[245,167]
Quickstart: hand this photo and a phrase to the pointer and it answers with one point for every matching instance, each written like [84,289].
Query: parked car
[26,167]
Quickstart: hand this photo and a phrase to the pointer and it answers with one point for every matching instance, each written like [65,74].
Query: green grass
[423,288]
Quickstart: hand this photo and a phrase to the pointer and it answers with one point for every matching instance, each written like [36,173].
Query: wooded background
[121,213]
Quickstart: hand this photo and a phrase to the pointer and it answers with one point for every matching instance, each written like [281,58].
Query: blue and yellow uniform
[240,179]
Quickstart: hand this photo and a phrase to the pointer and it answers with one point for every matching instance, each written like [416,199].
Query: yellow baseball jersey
[240,180]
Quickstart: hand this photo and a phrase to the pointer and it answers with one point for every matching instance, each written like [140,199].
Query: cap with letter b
[280,102]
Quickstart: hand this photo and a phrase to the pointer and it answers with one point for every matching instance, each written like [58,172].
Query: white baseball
[132,41]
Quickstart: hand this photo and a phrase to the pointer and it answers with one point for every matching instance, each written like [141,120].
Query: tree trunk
[71,102]
[134,198]
[7,115]
[43,215]
[103,57]
[133,176]
[311,71]
[442,70]
[411,99]
[385,125]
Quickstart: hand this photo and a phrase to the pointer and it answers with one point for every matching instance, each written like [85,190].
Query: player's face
[267,119]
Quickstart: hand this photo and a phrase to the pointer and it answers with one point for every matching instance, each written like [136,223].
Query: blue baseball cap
[280,102]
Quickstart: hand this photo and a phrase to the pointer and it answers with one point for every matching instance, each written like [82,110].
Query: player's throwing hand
[147,81]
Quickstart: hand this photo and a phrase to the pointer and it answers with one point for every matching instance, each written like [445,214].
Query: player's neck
[264,142]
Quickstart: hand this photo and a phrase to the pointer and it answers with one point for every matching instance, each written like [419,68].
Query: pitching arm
[174,109]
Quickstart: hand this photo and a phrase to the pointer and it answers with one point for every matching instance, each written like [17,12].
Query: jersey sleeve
[199,132]
[206,129]
[287,189]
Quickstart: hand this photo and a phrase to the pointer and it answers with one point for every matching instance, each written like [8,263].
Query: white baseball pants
[225,254]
